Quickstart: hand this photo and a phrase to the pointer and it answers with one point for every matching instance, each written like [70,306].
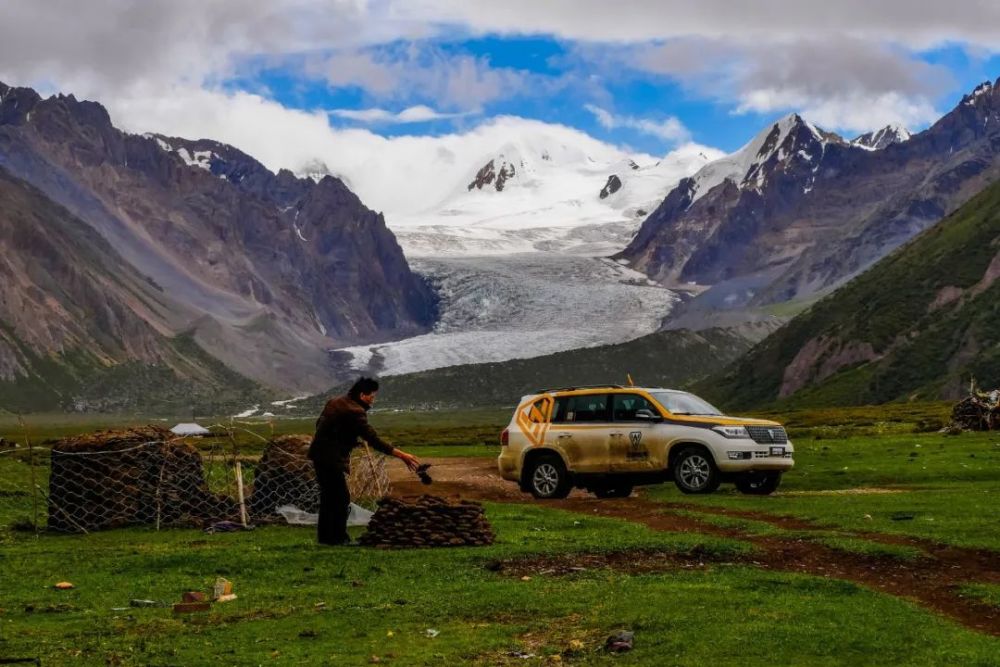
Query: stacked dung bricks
[111,479]
[428,521]
[284,476]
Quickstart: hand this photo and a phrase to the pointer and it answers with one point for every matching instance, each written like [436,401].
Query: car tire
[617,491]
[548,478]
[758,483]
[695,472]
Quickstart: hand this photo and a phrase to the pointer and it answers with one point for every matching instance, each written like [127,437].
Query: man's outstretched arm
[369,435]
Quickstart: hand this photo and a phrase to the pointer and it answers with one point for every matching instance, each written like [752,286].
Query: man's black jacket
[339,429]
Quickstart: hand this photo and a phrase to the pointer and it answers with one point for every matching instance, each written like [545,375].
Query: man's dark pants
[334,504]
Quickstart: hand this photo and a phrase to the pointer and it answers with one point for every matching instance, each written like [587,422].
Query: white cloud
[855,114]
[843,83]
[422,72]
[399,175]
[669,129]
[416,114]
[917,24]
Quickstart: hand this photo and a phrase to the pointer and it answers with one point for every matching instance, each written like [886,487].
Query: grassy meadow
[873,470]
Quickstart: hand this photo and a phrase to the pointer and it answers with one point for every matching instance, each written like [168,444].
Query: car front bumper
[734,456]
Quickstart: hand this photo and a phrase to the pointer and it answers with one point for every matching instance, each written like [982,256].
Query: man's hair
[363,386]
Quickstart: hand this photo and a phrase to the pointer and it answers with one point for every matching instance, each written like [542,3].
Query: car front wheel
[548,478]
[758,483]
[695,471]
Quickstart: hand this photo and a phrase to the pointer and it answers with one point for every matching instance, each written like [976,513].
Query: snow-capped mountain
[876,140]
[516,245]
[798,210]
[537,190]
[790,144]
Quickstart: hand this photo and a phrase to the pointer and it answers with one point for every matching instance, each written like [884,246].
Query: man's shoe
[342,543]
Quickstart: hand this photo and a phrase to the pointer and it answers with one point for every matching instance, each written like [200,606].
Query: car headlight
[732,431]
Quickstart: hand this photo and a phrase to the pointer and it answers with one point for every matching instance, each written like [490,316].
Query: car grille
[768,435]
[766,455]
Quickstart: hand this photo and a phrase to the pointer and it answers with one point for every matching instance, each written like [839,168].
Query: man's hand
[411,461]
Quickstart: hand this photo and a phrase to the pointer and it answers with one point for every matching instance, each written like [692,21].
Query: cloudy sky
[357,75]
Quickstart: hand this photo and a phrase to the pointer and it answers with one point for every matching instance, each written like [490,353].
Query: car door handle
[563,436]
[617,434]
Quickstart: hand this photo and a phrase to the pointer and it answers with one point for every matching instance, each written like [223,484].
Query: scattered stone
[146,603]
[191,607]
[620,642]
[222,588]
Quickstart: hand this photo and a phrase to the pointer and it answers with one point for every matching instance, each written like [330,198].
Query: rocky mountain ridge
[263,271]
[798,211]
[919,325]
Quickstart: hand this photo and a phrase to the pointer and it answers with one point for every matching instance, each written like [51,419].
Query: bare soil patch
[932,582]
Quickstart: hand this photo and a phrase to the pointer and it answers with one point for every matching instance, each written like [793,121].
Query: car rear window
[586,408]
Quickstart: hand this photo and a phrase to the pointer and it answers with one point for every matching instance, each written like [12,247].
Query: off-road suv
[609,438]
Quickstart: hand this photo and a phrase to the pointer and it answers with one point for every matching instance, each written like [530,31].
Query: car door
[581,429]
[633,438]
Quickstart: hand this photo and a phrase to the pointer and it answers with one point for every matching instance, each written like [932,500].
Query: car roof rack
[582,386]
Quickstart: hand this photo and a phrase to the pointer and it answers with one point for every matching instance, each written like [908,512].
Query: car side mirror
[646,415]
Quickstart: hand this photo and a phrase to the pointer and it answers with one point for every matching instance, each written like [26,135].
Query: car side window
[582,409]
[626,405]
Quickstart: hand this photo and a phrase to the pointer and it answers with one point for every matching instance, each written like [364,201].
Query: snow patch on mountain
[200,159]
[780,141]
[534,192]
[878,139]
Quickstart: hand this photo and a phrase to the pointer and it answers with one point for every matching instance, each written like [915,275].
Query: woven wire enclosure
[147,476]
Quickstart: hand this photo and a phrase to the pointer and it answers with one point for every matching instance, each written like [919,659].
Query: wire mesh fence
[150,477]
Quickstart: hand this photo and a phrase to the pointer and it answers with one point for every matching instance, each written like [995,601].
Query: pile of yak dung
[980,411]
[428,521]
[111,479]
[284,476]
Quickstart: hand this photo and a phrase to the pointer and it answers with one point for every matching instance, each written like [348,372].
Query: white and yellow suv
[609,438]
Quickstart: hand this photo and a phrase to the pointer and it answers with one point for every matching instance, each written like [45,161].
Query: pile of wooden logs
[111,479]
[428,521]
[980,411]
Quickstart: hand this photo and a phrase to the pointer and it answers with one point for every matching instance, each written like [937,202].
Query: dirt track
[932,581]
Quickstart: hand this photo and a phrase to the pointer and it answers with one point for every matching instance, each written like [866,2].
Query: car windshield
[682,403]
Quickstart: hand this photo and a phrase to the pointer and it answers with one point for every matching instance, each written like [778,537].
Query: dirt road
[933,581]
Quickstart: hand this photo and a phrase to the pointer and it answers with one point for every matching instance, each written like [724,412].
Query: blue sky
[564,84]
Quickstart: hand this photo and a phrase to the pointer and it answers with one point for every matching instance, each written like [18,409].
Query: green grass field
[302,604]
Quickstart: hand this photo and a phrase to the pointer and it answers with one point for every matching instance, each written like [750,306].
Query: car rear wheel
[758,483]
[617,491]
[695,472]
[548,478]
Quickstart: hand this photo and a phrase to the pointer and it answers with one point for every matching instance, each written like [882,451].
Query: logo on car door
[636,450]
